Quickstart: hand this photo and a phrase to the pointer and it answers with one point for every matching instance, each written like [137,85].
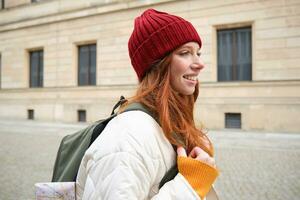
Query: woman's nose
[198,63]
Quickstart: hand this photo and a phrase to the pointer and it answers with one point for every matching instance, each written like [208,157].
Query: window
[36,68]
[0,69]
[82,115]
[234,54]
[233,120]
[2,4]
[36,1]
[30,114]
[87,65]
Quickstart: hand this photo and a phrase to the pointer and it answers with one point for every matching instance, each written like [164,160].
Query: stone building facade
[67,61]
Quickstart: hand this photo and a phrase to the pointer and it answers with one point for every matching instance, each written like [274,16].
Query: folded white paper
[55,191]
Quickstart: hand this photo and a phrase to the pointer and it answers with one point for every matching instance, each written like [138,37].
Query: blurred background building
[67,60]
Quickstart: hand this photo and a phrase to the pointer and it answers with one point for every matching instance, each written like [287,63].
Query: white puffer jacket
[128,161]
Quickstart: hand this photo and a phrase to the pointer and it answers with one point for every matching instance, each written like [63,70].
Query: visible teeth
[193,78]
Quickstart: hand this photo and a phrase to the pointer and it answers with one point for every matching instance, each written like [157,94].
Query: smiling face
[186,65]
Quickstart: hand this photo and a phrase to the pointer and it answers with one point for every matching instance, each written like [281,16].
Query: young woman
[134,152]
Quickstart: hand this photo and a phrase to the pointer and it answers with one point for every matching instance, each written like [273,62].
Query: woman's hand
[198,154]
[200,175]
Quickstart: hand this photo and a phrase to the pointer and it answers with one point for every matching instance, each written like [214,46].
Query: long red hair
[173,110]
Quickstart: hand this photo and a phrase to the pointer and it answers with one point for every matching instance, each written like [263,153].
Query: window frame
[2,4]
[0,70]
[234,70]
[40,68]
[233,120]
[91,78]
[30,114]
[81,115]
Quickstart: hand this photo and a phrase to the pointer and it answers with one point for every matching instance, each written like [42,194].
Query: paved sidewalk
[253,165]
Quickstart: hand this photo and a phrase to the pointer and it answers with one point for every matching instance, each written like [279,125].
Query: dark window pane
[225,55]
[93,64]
[81,115]
[87,65]
[30,114]
[41,68]
[83,65]
[0,69]
[244,54]
[36,69]
[2,4]
[36,1]
[233,120]
[34,63]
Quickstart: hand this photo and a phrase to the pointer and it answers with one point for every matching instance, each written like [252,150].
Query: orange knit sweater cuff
[199,175]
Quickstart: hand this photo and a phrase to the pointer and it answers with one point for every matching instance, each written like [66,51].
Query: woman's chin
[187,92]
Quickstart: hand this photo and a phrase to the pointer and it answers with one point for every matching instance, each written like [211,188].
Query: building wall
[271,101]
[14,3]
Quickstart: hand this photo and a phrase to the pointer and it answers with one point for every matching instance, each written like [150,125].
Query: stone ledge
[22,19]
[253,83]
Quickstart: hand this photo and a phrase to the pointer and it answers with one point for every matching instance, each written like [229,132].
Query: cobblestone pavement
[253,165]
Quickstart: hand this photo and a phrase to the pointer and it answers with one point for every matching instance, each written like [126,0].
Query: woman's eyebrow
[189,47]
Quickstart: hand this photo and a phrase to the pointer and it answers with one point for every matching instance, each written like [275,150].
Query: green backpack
[73,147]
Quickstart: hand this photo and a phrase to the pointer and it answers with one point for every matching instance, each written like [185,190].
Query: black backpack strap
[170,175]
[102,123]
[120,102]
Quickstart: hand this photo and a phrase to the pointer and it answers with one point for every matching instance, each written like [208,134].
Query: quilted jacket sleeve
[130,178]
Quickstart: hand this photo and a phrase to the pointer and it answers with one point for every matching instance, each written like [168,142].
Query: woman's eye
[184,52]
[199,54]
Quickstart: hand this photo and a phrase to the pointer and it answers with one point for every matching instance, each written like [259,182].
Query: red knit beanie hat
[155,34]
